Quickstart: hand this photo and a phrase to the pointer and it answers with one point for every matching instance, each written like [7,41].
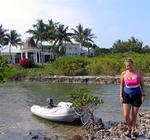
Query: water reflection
[17,98]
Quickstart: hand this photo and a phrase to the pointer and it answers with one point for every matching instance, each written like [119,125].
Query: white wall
[73,49]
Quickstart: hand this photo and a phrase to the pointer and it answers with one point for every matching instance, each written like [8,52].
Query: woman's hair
[128,60]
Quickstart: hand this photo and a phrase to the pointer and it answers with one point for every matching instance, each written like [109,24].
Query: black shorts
[135,99]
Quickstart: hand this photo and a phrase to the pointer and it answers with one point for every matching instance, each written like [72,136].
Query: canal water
[16,98]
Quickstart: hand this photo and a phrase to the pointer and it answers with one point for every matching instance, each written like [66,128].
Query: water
[16,120]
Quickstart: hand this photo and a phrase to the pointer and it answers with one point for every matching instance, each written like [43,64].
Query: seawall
[77,79]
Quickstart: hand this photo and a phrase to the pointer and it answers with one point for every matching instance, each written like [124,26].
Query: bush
[26,63]
[3,67]
[81,99]
[15,73]
[70,66]
[112,64]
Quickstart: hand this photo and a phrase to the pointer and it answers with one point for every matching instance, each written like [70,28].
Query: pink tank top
[134,81]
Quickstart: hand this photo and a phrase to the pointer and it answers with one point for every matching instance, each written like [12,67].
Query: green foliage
[3,67]
[70,66]
[105,65]
[3,36]
[132,45]
[81,98]
[101,51]
[14,72]
[112,64]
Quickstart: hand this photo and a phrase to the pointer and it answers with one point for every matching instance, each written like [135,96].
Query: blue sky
[109,20]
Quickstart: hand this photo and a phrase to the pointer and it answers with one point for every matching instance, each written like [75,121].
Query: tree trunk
[88,51]
[42,53]
[10,54]
[81,47]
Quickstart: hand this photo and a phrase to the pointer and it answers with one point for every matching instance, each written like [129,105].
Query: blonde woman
[131,95]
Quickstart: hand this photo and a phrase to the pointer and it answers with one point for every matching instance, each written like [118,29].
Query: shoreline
[114,131]
[117,129]
[76,79]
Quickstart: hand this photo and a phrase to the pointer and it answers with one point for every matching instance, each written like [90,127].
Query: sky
[109,20]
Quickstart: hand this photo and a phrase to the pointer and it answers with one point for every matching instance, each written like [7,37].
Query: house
[73,49]
[15,53]
[30,51]
[27,51]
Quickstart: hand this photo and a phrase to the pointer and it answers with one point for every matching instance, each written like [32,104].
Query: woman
[131,95]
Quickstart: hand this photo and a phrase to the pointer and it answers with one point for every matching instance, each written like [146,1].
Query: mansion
[30,51]
[27,51]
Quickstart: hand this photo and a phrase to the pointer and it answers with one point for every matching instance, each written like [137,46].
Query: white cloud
[107,21]
[17,14]
[22,14]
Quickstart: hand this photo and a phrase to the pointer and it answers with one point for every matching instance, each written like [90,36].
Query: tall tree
[13,40]
[131,44]
[61,37]
[79,34]
[3,37]
[51,28]
[39,34]
[83,36]
[135,44]
[146,49]
[88,39]
[51,31]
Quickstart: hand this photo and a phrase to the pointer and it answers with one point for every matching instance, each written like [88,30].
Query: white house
[30,51]
[15,53]
[73,49]
[27,51]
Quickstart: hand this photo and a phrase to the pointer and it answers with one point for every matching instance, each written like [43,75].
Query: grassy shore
[111,65]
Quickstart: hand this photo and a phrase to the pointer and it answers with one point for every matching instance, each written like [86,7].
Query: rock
[35,137]
[108,131]
[76,137]
[115,130]
[55,137]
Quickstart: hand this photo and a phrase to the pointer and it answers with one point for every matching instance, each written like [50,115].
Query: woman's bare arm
[121,83]
[141,82]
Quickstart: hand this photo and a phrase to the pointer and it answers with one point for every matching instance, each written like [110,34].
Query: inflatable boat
[62,112]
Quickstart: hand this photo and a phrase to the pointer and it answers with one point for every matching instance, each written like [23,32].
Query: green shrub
[3,67]
[82,99]
[70,66]
[112,64]
[14,72]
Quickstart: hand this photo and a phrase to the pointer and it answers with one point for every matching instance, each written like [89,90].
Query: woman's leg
[134,117]
[126,111]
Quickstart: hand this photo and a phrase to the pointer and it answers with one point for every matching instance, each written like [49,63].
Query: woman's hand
[143,98]
[121,99]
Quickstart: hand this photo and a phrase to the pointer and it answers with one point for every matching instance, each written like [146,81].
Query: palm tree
[88,38]
[13,40]
[79,34]
[3,37]
[135,44]
[88,45]
[84,36]
[51,31]
[61,37]
[39,34]
[51,35]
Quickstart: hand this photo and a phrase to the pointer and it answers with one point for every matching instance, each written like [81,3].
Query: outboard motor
[50,102]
